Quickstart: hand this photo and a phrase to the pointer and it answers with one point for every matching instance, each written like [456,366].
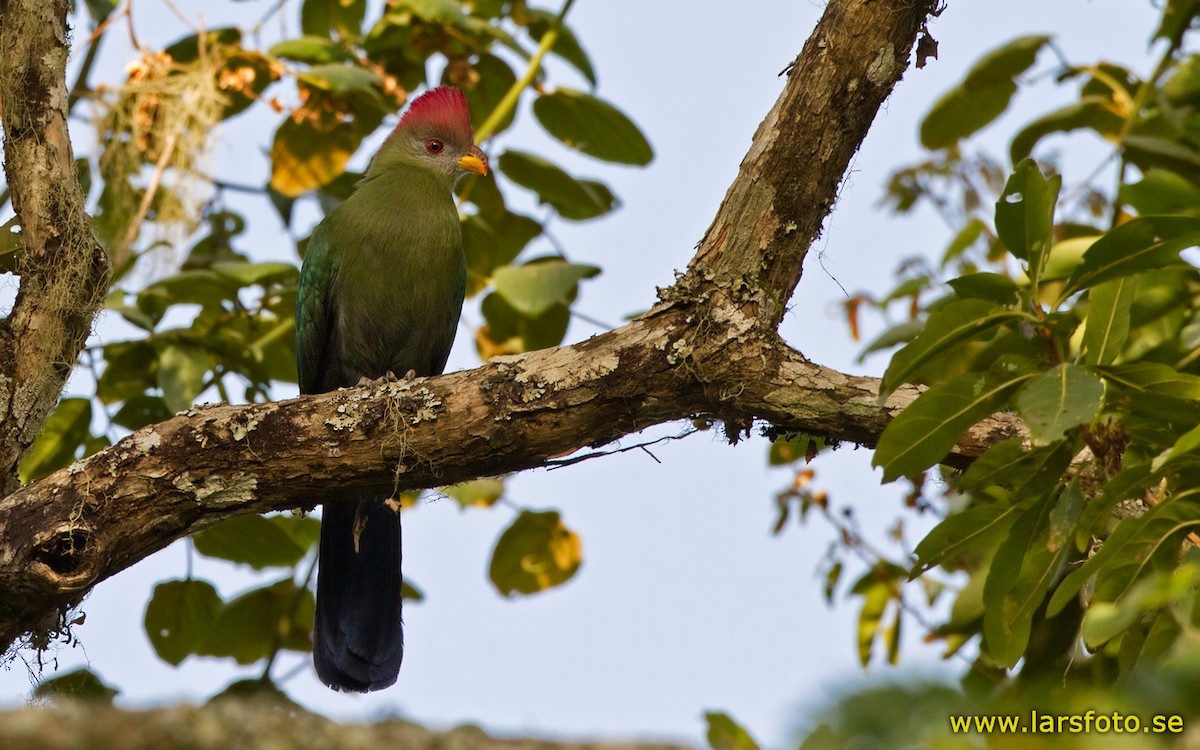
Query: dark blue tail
[358,639]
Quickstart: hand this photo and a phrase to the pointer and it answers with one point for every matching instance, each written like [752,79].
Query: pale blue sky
[685,602]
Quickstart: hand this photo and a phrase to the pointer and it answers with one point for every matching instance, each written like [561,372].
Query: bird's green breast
[397,281]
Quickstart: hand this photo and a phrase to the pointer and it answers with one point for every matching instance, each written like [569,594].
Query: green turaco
[381,290]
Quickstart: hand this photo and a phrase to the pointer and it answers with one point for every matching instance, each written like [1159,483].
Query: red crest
[443,111]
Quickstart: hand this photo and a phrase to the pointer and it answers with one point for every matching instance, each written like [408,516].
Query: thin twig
[199,31]
[559,463]
[275,8]
[135,226]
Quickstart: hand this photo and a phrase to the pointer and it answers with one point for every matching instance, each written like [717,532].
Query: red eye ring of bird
[434,146]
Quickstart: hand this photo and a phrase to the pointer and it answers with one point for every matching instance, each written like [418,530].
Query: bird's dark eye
[434,146]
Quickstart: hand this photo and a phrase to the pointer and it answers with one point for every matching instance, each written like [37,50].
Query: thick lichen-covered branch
[708,347]
[261,724]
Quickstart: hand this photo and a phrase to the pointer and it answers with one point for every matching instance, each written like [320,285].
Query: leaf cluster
[1078,310]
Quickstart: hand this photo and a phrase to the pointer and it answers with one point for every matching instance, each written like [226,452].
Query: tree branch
[708,347]
[248,724]
[63,269]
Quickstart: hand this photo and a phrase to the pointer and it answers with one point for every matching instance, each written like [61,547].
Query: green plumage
[381,290]
[382,284]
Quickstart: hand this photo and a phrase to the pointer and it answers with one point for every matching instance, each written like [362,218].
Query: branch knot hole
[68,556]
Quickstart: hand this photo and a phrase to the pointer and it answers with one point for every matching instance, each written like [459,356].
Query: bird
[381,290]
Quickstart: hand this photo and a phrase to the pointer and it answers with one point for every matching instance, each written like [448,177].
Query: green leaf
[535,287]
[927,430]
[947,326]
[1008,464]
[304,530]
[993,287]
[181,371]
[321,17]
[259,691]
[908,289]
[243,77]
[982,95]
[441,11]
[567,45]
[262,274]
[602,200]
[1025,565]
[1139,647]
[67,427]
[1185,451]
[1153,377]
[141,410]
[901,333]
[723,733]
[78,684]
[179,618]
[490,243]
[1183,87]
[1058,400]
[1148,151]
[1025,216]
[128,370]
[1129,483]
[509,332]
[1177,18]
[307,155]
[117,302]
[1161,191]
[1128,549]
[1107,326]
[972,532]
[786,451]
[1065,256]
[410,593]
[1093,112]
[250,540]
[495,79]
[480,493]
[967,236]
[100,10]
[1104,620]
[876,595]
[187,49]
[572,198]
[592,126]
[312,50]
[204,288]
[340,79]
[10,247]
[1134,247]
[248,627]
[1160,537]
[535,553]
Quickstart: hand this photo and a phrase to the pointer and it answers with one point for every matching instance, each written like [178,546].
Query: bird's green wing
[313,310]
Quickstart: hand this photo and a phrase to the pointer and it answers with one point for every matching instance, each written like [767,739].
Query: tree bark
[247,725]
[63,268]
[709,347]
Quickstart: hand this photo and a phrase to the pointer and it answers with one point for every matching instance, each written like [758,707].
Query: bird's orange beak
[474,161]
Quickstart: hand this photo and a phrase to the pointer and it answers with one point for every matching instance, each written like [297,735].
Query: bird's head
[435,132]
